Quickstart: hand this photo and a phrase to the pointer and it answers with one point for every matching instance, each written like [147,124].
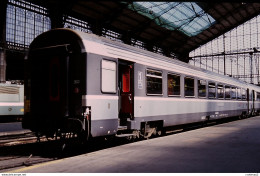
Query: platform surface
[232,147]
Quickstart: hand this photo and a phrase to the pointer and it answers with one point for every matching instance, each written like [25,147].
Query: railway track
[15,139]
[21,150]
[25,151]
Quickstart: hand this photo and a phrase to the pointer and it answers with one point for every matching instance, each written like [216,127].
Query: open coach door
[126,91]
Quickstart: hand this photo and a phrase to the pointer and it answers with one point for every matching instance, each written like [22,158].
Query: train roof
[92,43]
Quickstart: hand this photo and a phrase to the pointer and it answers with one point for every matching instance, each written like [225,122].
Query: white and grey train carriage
[86,84]
[11,102]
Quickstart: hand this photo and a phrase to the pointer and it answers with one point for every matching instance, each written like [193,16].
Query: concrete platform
[227,148]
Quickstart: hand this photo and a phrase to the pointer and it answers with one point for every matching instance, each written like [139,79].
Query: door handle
[129,98]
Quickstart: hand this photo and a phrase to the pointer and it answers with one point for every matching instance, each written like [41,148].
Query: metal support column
[96,28]
[57,17]
[3,8]
[224,53]
[126,38]
[251,67]
[258,74]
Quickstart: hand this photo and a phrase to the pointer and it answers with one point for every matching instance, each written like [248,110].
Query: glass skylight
[187,17]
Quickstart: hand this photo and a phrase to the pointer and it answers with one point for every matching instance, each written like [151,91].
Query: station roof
[177,27]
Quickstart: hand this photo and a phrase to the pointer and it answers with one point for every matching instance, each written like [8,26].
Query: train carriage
[11,102]
[83,83]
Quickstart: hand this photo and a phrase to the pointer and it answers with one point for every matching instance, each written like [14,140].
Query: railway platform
[225,148]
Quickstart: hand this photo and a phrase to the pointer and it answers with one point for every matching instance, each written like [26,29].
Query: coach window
[189,87]
[154,82]
[239,94]
[244,94]
[233,93]
[202,88]
[212,90]
[220,91]
[174,85]
[227,92]
[257,96]
[108,80]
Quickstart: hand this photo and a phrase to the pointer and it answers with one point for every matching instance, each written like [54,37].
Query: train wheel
[243,116]
[153,128]
[159,133]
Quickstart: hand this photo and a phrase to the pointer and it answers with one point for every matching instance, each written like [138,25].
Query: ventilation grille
[9,90]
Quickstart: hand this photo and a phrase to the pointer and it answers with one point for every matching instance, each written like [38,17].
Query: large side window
[250,95]
[239,94]
[233,93]
[212,90]
[154,82]
[227,92]
[202,88]
[108,78]
[257,96]
[220,91]
[189,87]
[174,85]
[244,94]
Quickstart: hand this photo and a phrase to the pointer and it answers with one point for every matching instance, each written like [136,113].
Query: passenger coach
[11,102]
[85,84]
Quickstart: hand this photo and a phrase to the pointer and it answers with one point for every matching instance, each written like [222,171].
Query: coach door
[126,91]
